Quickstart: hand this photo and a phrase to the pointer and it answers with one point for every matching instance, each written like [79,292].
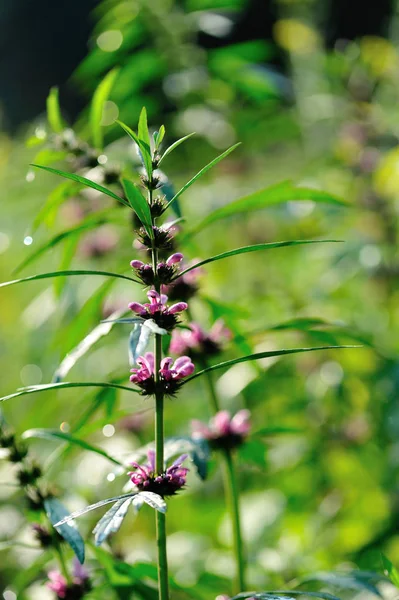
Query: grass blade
[145,144]
[174,146]
[100,97]
[54,112]
[65,274]
[45,387]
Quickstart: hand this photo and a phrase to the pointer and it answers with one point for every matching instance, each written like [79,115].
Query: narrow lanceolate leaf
[154,500]
[276,194]
[174,146]
[390,570]
[55,434]
[139,204]
[54,112]
[144,138]
[111,521]
[158,136]
[65,274]
[254,248]
[100,97]
[83,511]
[214,162]
[259,355]
[46,387]
[84,346]
[56,511]
[84,181]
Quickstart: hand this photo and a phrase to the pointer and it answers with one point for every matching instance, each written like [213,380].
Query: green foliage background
[325,496]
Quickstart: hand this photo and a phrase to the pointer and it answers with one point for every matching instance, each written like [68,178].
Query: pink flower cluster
[195,341]
[223,430]
[157,309]
[166,271]
[171,372]
[80,583]
[165,484]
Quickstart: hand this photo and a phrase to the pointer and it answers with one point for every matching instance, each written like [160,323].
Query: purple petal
[178,307]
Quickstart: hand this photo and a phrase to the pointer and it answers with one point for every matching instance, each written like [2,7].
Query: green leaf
[174,146]
[83,181]
[276,194]
[254,248]
[253,451]
[83,511]
[214,162]
[139,205]
[354,580]
[112,520]
[267,431]
[61,193]
[390,570]
[283,595]
[56,511]
[158,136]
[84,346]
[55,434]
[54,112]
[145,144]
[100,97]
[66,273]
[270,354]
[44,387]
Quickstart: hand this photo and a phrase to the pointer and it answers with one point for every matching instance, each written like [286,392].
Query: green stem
[163,579]
[61,560]
[232,496]
[232,493]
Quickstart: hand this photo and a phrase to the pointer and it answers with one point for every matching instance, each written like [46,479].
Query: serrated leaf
[84,346]
[174,146]
[100,97]
[56,512]
[214,162]
[55,434]
[139,205]
[145,145]
[259,355]
[154,500]
[84,181]
[111,521]
[65,274]
[34,389]
[390,570]
[282,192]
[83,511]
[254,248]
[54,112]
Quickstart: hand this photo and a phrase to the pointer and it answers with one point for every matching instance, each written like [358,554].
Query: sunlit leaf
[174,146]
[112,520]
[259,355]
[254,248]
[390,570]
[84,181]
[55,434]
[145,145]
[158,136]
[65,274]
[139,205]
[56,511]
[154,500]
[45,387]
[54,112]
[276,194]
[284,595]
[83,511]
[214,162]
[100,97]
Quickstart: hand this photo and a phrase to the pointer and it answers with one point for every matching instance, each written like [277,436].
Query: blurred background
[311,90]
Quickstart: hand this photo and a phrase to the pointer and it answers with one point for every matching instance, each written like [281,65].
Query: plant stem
[232,494]
[163,579]
[61,561]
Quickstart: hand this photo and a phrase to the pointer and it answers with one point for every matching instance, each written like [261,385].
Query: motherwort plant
[182,350]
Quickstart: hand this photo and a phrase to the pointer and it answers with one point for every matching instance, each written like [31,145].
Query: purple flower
[166,271]
[167,483]
[224,431]
[170,373]
[195,341]
[77,589]
[157,309]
